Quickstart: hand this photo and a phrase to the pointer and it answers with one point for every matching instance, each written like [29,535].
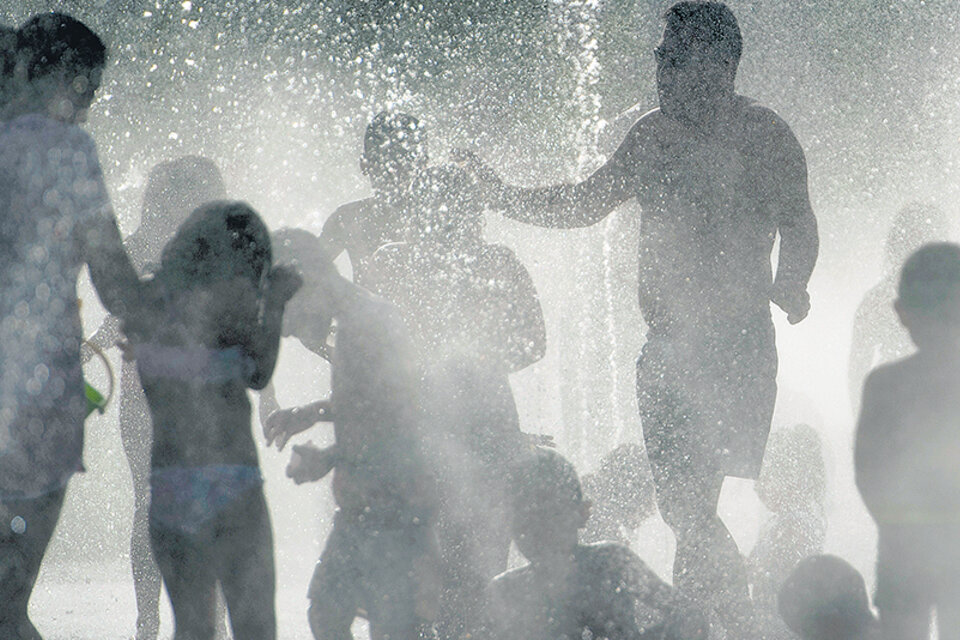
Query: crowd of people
[434,476]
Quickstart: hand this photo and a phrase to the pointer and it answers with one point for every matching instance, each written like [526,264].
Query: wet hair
[220,240]
[48,42]
[824,597]
[545,482]
[447,204]
[394,134]
[930,280]
[915,224]
[707,23]
[177,187]
[300,249]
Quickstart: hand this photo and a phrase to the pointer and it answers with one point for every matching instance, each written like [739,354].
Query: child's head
[447,208]
[928,297]
[301,250]
[793,475]
[547,506]
[824,597]
[219,241]
[394,151]
[175,188]
[61,62]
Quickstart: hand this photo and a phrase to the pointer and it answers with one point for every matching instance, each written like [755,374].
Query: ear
[583,513]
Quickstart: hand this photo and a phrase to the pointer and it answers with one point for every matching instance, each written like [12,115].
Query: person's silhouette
[718,177]
[906,450]
[878,336]
[57,217]
[174,189]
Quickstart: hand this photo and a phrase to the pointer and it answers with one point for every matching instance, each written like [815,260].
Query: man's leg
[333,587]
[190,580]
[688,476]
[26,527]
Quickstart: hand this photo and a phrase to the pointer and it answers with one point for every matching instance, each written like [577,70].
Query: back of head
[219,241]
[914,225]
[544,482]
[708,27]
[55,42]
[394,135]
[825,597]
[175,188]
[930,282]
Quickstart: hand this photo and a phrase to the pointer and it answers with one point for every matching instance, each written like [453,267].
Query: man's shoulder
[613,562]
[763,120]
[353,212]
[35,130]
[510,585]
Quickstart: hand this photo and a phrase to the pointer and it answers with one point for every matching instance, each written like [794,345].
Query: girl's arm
[282,283]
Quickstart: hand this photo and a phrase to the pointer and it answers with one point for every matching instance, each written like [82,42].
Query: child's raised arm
[282,283]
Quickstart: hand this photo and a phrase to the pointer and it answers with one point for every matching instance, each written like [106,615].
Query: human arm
[309,463]
[282,424]
[565,206]
[520,316]
[333,236]
[871,450]
[263,344]
[796,223]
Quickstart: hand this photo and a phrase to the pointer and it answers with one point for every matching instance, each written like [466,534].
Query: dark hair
[394,133]
[298,248]
[930,279]
[708,23]
[824,594]
[219,240]
[52,41]
[177,187]
[545,480]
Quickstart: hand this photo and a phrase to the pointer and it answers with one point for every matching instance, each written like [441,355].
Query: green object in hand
[95,400]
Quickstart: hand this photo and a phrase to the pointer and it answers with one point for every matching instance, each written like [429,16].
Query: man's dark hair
[824,597]
[545,481]
[394,133]
[53,41]
[930,279]
[707,23]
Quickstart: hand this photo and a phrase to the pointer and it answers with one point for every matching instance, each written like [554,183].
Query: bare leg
[22,544]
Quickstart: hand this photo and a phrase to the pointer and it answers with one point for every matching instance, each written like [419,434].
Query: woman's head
[221,240]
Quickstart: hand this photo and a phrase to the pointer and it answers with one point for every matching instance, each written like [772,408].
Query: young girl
[211,332]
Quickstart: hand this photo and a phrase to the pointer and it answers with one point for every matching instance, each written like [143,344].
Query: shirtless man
[717,177]
[394,152]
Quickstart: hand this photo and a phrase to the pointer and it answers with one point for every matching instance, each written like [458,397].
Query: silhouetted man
[717,177]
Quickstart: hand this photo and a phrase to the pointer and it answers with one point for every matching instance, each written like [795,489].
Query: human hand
[795,302]
[281,425]
[472,163]
[309,463]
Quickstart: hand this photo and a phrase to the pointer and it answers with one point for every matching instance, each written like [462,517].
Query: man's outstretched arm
[797,225]
[565,206]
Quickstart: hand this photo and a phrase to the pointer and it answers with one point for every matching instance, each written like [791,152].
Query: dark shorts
[709,405]
[917,567]
[390,574]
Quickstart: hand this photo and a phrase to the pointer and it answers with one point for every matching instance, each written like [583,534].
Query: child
[792,486]
[906,452]
[174,189]
[621,494]
[212,331]
[824,598]
[394,153]
[569,588]
[381,556]
[57,218]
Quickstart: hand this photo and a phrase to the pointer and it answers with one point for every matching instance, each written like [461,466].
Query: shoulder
[350,213]
[509,585]
[616,564]
[38,131]
[766,128]
[885,379]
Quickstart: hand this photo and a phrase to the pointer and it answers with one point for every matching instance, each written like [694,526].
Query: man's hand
[795,302]
[474,165]
[309,463]
[285,423]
